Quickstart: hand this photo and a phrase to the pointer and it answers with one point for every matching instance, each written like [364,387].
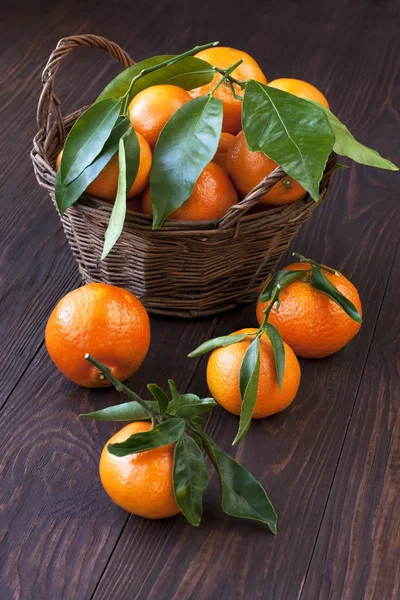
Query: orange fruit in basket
[225,142]
[153,107]
[299,88]
[212,196]
[105,185]
[223,370]
[105,321]
[310,322]
[223,58]
[140,483]
[247,169]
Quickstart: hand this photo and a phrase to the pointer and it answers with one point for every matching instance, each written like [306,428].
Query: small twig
[122,388]
[225,76]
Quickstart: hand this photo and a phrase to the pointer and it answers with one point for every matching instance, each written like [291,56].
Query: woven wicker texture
[184,269]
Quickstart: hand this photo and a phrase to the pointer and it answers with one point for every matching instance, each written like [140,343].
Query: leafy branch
[178,420]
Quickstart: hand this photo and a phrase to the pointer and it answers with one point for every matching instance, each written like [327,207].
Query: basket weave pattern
[183,269]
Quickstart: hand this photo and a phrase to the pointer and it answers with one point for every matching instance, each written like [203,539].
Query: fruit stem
[242,84]
[166,63]
[274,299]
[315,264]
[225,75]
[122,388]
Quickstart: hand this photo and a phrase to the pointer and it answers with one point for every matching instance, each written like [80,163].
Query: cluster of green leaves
[250,367]
[298,134]
[178,420]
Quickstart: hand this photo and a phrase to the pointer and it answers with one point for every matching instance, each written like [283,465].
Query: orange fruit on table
[153,107]
[247,169]
[140,483]
[223,370]
[213,194]
[105,321]
[105,185]
[310,322]
[299,88]
[223,58]
[225,142]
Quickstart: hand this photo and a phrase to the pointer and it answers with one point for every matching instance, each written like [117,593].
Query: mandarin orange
[311,323]
[223,371]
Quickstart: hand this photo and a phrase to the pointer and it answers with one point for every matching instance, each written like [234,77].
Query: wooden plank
[358,546]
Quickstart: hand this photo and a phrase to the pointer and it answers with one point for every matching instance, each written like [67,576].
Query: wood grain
[358,545]
[331,458]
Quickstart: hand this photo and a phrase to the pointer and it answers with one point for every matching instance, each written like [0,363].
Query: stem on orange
[225,75]
[105,371]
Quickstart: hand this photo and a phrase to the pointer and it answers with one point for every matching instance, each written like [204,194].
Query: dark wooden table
[331,462]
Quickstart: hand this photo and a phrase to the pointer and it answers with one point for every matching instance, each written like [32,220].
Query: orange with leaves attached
[223,370]
[299,88]
[105,185]
[213,194]
[105,321]
[309,321]
[140,483]
[224,58]
[153,107]
[247,169]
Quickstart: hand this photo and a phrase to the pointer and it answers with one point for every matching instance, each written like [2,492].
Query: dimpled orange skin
[223,370]
[212,195]
[105,185]
[105,321]
[313,325]
[225,141]
[299,88]
[223,58]
[140,483]
[153,107]
[247,169]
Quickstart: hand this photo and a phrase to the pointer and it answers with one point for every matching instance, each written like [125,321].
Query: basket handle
[236,212]
[48,111]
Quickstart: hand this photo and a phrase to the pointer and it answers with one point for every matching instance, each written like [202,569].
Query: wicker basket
[183,269]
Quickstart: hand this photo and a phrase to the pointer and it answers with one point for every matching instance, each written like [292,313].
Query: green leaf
[287,131]
[165,433]
[242,495]
[186,144]
[191,405]
[346,145]
[160,396]
[320,282]
[339,166]
[190,478]
[128,411]
[188,73]
[87,137]
[248,381]
[282,279]
[218,342]
[279,351]
[67,195]
[132,157]
[117,218]
[197,421]
[174,391]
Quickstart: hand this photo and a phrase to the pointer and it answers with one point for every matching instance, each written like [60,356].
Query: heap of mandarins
[234,171]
